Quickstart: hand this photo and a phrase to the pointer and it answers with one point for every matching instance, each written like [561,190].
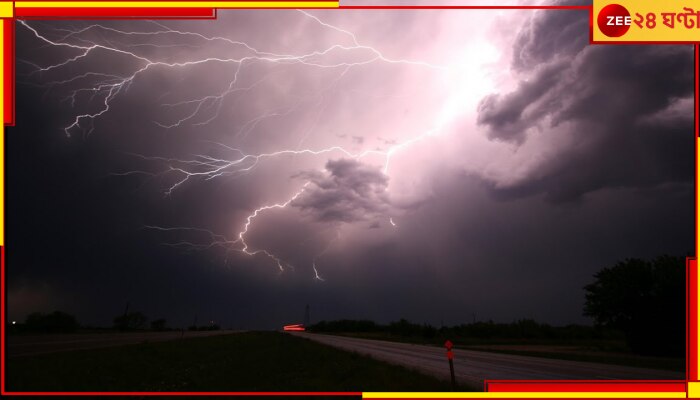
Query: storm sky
[435,165]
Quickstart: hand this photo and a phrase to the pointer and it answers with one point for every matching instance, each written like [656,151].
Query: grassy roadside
[252,361]
[582,352]
[668,364]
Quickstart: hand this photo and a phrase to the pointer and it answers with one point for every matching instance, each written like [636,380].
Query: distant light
[14,322]
[295,327]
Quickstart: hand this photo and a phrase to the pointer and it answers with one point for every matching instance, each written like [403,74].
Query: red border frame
[489,385]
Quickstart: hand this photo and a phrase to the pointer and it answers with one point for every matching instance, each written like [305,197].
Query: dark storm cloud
[600,97]
[613,122]
[348,191]
[547,36]
[509,116]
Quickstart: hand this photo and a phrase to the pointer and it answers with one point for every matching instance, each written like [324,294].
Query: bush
[159,325]
[55,322]
[130,321]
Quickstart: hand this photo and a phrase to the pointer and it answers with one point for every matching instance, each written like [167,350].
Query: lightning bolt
[112,87]
[249,221]
[108,86]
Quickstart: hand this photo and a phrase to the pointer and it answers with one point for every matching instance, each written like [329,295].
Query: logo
[614,20]
[648,21]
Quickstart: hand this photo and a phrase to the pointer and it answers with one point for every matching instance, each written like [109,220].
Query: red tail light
[295,327]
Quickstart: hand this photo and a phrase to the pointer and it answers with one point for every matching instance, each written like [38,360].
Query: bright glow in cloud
[452,87]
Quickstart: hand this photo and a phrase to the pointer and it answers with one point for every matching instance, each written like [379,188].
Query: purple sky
[431,165]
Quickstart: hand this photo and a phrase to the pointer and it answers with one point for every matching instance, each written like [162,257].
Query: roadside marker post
[450,356]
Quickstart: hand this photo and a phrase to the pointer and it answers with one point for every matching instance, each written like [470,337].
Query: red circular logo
[614,20]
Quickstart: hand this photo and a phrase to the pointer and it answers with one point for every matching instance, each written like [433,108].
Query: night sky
[434,165]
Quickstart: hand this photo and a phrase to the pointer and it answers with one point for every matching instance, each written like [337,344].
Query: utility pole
[125,319]
[307,317]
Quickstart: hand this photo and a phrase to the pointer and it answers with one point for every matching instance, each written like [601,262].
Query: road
[473,367]
[42,344]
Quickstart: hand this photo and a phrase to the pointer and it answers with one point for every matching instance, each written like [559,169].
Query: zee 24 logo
[614,20]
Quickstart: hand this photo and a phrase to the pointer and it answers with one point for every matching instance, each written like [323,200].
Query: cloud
[510,115]
[593,116]
[347,191]
[607,129]
[548,35]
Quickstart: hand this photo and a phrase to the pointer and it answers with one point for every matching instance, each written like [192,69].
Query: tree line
[482,332]
[62,322]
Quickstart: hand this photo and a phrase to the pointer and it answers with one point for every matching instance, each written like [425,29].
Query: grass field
[254,361]
[576,354]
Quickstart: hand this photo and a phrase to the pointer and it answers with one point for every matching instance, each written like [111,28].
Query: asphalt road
[21,345]
[473,367]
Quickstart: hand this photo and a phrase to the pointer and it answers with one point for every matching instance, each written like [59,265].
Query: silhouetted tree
[345,326]
[55,322]
[130,321]
[158,324]
[645,300]
[429,332]
[404,328]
